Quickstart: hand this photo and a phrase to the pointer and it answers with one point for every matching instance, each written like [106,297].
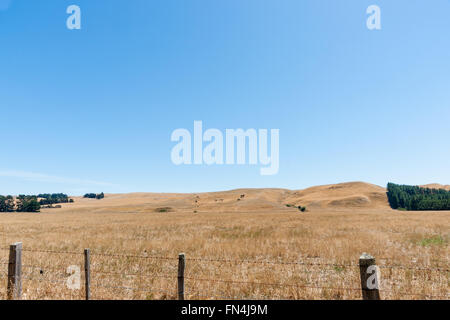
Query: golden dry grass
[315,240]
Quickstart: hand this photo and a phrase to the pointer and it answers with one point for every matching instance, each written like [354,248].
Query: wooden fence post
[369,277]
[87,273]
[14,288]
[181,266]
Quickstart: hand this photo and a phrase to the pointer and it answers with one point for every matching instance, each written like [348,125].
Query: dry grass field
[241,244]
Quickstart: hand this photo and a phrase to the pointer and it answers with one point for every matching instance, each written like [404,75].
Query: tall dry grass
[238,251]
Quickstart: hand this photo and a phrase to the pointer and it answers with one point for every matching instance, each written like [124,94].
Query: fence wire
[106,277]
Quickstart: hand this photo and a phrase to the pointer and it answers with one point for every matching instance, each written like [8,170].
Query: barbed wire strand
[419,268]
[152,289]
[135,274]
[53,251]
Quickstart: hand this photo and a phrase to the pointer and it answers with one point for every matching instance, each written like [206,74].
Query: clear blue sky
[92,110]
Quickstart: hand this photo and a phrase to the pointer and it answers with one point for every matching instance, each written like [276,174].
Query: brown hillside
[346,195]
[436,186]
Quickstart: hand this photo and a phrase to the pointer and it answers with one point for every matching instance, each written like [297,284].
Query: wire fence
[45,275]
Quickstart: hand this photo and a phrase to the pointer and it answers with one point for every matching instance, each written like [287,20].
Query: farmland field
[266,253]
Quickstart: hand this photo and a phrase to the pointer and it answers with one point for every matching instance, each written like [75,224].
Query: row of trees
[20,204]
[33,203]
[417,198]
[94,195]
[48,199]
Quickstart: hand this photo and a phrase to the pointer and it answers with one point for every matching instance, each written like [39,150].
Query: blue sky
[93,110]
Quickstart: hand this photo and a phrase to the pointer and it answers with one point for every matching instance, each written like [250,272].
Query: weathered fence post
[181,266]
[369,277]
[87,273]
[14,288]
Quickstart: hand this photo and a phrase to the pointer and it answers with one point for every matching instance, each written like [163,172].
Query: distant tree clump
[415,198]
[7,204]
[94,196]
[32,203]
[28,204]
[48,199]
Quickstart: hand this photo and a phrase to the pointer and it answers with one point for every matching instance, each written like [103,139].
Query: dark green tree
[7,204]
[417,198]
[28,204]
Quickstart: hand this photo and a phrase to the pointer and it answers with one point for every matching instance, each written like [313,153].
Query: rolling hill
[355,195]
[436,186]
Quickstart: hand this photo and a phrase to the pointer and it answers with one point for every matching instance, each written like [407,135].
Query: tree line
[21,204]
[53,198]
[32,203]
[94,196]
[415,198]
